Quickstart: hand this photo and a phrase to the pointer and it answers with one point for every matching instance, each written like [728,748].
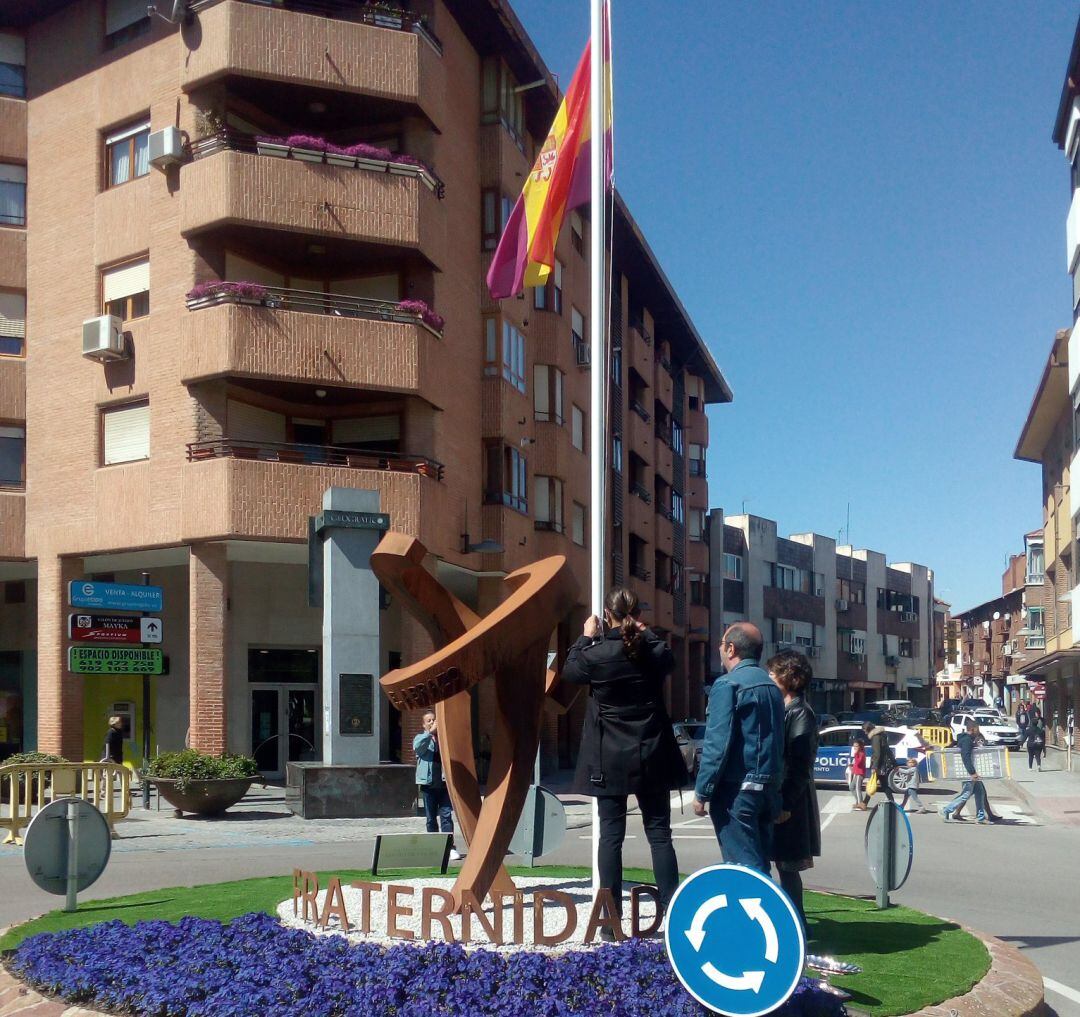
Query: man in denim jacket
[742,761]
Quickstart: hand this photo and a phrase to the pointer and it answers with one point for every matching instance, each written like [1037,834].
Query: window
[696,520]
[616,452]
[853,642]
[1036,563]
[577,428]
[12,456]
[540,300]
[12,65]
[578,523]
[678,509]
[125,433]
[851,590]
[697,460]
[577,325]
[548,393]
[556,287]
[909,647]
[500,100]
[124,20]
[783,631]
[506,477]
[127,153]
[505,357]
[12,194]
[784,577]
[698,589]
[495,213]
[125,290]
[676,437]
[12,324]
[549,503]
[733,567]
[577,232]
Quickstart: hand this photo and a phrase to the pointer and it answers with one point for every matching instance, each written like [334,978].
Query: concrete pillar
[208,595]
[60,694]
[415,645]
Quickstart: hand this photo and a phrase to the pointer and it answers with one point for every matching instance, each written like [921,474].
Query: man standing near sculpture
[429,775]
[742,757]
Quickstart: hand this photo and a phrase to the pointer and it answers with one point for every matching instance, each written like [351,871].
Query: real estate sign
[113,628]
[114,660]
[114,596]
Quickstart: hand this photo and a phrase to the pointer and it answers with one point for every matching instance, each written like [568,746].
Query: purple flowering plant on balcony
[243,289]
[256,966]
[361,149]
[421,309]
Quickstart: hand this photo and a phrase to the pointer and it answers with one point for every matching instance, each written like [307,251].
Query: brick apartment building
[198,454]
[868,627]
[997,640]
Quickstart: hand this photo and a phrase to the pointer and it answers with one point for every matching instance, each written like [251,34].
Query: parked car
[890,705]
[690,736]
[826,720]
[918,715]
[834,751]
[995,729]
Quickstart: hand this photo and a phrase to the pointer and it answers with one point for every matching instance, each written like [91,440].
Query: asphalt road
[1016,880]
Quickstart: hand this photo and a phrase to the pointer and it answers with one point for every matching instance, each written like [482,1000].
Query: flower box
[341,159]
[272,148]
[307,155]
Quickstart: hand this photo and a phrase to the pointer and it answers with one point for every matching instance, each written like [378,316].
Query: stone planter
[203,797]
[308,155]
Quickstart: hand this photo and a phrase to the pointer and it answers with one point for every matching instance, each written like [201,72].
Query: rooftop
[1050,402]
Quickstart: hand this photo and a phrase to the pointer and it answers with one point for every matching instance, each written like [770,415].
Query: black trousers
[1034,755]
[656,816]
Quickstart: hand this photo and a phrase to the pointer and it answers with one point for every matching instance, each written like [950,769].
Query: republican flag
[559,182]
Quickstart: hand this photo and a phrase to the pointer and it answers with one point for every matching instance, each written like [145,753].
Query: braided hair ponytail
[622,605]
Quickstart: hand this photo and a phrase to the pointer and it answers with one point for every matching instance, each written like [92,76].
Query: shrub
[421,309]
[255,966]
[243,288]
[191,765]
[32,757]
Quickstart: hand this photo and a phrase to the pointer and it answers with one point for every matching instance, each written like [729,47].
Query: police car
[834,751]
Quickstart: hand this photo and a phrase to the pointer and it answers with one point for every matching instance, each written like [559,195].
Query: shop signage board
[113,628]
[114,660]
[115,596]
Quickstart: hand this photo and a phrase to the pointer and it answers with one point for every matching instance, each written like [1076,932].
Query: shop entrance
[285,707]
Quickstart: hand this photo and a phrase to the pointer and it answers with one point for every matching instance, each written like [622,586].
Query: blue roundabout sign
[735,941]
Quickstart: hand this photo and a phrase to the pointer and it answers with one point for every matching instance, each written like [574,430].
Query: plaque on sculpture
[357,704]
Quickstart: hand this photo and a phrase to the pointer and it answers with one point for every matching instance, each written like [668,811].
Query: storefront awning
[1047,667]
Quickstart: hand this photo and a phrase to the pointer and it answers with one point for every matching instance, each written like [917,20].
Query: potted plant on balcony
[192,781]
[272,146]
[370,157]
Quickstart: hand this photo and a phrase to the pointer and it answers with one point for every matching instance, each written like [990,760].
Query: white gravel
[554,914]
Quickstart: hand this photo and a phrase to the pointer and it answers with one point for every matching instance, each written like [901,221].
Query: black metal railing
[639,572]
[278,298]
[550,526]
[640,410]
[375,14]
[229,140]
[548,418]
[642,492]
[314,455]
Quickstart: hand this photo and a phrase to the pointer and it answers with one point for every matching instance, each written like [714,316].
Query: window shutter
[12,49]
[543,500]
[126,280]
[239,269]
[252,423]
[121,13]
[540,389]
[12,174]
[13,315]
[126,434]
[357,431]
[129,131]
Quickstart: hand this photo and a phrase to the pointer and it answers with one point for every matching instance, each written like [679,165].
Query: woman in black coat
[797,831]
[628,745]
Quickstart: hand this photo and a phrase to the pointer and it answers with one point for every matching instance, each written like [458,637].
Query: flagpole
[598,441]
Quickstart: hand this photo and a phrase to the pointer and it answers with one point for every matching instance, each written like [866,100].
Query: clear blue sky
[861,207]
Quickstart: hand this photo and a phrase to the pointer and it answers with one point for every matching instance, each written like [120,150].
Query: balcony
[297,335]
[372,50]
[640,572]
[640,410]
[642,492]
[313,455]
[1036,641]
[229,188]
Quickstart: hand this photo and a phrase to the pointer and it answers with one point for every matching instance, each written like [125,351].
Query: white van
[892,705]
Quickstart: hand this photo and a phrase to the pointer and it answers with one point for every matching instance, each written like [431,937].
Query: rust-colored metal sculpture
[510,644]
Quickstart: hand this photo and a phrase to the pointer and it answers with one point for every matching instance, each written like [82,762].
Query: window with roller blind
[12,65]
[577,428]
[548,393]
[578,521]
[12,194]
[125,20]
[12,324]
[370,434]
[548,504]
[125,290]
[125,433]
[127,152]
[12,456]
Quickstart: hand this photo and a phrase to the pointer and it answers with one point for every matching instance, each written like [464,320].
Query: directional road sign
[113,628]
[114,660]
[735,940]
[114,596]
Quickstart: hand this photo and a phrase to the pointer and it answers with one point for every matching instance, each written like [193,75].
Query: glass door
[301,721]
[266,731]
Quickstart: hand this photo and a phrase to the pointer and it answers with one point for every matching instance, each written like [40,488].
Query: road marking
[1061,990]
[828,819]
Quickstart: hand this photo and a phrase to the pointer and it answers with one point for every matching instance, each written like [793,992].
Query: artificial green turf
[909,959]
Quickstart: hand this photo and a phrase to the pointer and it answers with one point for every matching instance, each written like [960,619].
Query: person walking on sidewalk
[1023,722]
[742,758]
[429,775]
[858,774]
[966,743]
[628,744]
[797,831]
[114,742]
[908,779]
[1036,743]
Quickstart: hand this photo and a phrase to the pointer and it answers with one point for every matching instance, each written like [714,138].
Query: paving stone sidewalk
[1054,793]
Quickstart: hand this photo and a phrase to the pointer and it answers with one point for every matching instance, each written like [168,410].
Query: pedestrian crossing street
[1013,813]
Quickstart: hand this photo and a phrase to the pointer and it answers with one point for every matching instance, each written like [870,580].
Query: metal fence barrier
[991,763]
[939,736]
[26,788]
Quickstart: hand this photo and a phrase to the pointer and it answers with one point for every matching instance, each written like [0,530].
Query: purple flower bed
[255,966]
[425,313]
[360,150]
[247,290]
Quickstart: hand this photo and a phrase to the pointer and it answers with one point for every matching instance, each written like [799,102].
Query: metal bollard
[887,874]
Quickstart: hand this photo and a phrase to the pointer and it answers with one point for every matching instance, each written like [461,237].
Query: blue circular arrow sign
[735,940]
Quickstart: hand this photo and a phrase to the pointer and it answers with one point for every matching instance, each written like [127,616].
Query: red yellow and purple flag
[558,183]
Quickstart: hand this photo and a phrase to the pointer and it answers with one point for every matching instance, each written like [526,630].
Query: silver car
[690,736]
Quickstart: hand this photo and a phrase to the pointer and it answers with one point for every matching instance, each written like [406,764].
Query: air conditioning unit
[813,651]
[892,661]
[583,354]
[908,616]
[103,339]
[1007,650]
[841,605]
[166,148]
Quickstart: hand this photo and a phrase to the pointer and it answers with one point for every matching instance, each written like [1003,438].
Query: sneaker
[984,822]
[455,856]
[947,816]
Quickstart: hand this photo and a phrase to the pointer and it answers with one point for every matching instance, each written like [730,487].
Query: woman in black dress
[628,745]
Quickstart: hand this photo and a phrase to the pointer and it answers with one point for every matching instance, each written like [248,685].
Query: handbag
[872,783]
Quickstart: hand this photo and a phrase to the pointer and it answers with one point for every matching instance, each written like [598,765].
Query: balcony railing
[1036,641]
[312,149]
[642,331]
[278,298]
[640,410]
[378,15]
[550,526]
[314,455]
[1034,579]
[642,492]
[640,572]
